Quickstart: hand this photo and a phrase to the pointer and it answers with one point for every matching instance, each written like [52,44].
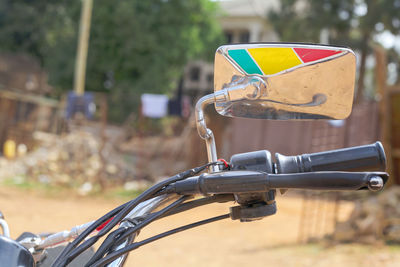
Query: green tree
[135,46]
[25,25]
[352,23]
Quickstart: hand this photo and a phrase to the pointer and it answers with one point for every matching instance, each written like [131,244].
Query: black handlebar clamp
[253,206]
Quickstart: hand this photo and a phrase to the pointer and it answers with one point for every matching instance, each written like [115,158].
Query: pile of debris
[74,159]
[374,219]
[157,156]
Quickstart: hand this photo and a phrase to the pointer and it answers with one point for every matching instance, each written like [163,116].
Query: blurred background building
[241,22]
[23,109]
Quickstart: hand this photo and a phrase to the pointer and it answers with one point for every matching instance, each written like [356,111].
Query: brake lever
[235,182]
[331,180]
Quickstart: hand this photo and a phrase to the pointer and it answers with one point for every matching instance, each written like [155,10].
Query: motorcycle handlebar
[341,169]
[233,182]
[361,158]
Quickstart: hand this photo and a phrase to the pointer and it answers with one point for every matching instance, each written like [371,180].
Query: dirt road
[268,242]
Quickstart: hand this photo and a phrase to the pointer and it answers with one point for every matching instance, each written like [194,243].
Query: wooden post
[384,105]
[83,43]
[393,102]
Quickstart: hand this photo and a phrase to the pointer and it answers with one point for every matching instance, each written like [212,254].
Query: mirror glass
[284,81]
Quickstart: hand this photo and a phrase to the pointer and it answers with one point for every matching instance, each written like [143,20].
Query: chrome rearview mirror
[279,81]
[284,81]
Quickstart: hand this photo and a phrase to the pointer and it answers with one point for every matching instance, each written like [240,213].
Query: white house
[242,21]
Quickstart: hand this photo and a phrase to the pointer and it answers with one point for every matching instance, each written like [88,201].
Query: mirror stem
[202,129]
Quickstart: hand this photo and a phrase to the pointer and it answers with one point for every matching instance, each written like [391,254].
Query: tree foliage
[351,23]
[135,46]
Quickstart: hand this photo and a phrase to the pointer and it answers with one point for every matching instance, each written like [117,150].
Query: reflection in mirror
[284,81]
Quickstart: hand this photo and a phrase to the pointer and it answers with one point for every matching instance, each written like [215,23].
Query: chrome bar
[4,226]
[204,132]
[60,238]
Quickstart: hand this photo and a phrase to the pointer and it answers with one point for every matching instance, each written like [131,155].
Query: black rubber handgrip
[361,158]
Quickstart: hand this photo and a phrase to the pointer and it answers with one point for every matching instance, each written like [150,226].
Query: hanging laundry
[154,106]
[80,104]
[180,107]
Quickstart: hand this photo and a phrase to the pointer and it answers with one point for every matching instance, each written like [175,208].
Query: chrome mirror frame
[258,91]
[285,81]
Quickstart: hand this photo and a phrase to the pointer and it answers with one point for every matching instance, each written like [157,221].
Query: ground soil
[271,241]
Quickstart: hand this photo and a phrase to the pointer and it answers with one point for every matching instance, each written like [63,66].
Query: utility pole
[83,43]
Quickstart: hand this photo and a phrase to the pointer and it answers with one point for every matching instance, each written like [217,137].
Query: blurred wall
[296,137]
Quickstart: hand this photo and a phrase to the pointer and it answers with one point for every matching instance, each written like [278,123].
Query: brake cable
[118,236]
[72,250]
[130,231]
[115,255]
